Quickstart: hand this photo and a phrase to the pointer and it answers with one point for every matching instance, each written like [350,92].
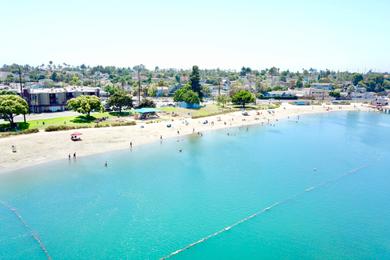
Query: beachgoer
[74,155]
[106,164]
[131,145]
[69,156]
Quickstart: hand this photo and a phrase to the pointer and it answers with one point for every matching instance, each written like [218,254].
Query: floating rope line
[34,234]
[263,211]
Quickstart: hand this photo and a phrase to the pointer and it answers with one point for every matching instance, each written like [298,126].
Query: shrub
[27,131]
[53,128]
[128,123]
[146,103]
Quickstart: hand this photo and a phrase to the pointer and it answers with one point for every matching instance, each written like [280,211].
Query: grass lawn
[207,110]
[79,121]
[214,109]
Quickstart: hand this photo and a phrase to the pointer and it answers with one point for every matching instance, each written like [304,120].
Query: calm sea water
[155,200]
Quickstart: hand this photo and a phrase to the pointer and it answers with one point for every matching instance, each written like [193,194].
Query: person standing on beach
[131,145]
[106,164]
[69,157]
[74,155]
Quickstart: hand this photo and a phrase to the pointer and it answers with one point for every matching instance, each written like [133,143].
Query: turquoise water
[154,200]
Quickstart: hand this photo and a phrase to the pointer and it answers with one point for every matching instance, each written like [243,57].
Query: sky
[340,35]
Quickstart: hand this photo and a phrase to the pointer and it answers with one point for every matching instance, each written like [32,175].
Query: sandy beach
[42,147]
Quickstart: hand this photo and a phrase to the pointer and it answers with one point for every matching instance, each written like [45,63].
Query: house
[318,94]
[280,95]
[54,99]
[162,91]
[323,86]
[358,95]
[380,101]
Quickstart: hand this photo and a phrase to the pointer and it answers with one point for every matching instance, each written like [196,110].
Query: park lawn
[214,109]
[207,110]
[78,121]
[81,120]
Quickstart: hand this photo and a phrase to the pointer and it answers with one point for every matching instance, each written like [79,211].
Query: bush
[54,128]
[128,123]
[27,131]
[113,124]
[30,131]
[186,94]
[146,103]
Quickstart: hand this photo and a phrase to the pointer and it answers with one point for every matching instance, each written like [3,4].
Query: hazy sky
[340,35]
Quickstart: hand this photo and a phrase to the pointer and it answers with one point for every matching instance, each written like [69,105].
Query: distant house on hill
[162,91]
[380,101]
[278,94]
[318,94]
[323,86]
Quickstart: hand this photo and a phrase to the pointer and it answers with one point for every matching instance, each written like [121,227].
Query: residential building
[323,86]
[318,94]
[54,99]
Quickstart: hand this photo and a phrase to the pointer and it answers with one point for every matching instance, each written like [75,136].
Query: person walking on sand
[131,145]
[74,155]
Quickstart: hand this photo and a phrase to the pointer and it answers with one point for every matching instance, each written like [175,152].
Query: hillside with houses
[48,87]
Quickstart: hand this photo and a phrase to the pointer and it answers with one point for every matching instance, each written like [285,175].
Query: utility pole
[139,86]
[219,86]
[21,89]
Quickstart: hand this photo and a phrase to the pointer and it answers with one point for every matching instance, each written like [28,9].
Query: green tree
[186,94]
[195,81]
[120,100]
[299,83]
[206,91]
[152,91]
[111,89]
[335,93]
[223,100]
[10,78]
[75,81]
[54,76]
[243,97]
[85,104]
[7,92]
[177,78]
[356,78]
[146,103]
[11,106]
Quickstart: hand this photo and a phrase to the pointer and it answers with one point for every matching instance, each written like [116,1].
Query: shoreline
[43,147]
